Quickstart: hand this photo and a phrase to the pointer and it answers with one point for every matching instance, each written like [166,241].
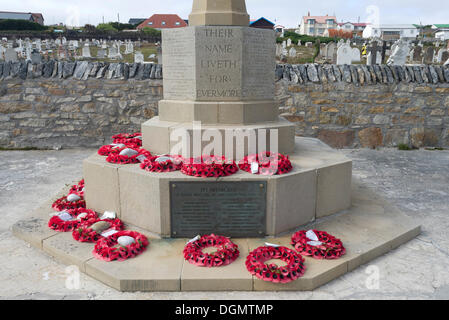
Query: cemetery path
[416,181]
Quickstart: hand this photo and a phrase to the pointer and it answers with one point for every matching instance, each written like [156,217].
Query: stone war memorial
[217,168]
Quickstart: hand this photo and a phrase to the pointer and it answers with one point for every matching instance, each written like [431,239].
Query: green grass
[435,149]
[404,147]
[147,49]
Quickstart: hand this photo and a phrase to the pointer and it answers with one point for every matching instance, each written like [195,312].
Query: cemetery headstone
[445,57]
[440,56]
[292,52]
[346,55]
[138,57]
[86,51]
[428,55]
[417,54]
[401,50]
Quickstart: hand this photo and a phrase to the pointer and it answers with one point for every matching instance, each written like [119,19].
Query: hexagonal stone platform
[370,228]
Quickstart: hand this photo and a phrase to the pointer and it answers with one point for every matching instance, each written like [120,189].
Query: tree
[106,27]
[21,25]
[151,31]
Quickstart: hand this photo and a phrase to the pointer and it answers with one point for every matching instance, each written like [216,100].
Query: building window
[163,23]
[311,30]
[178,23]
[150,23]
[311,21]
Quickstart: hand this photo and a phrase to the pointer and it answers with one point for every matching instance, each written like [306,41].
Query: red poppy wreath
[95,229]
[128,139]
[74,199]
[266,163]
[165,163]
[318,244]
[295,268]
[120,246]
[127,155]
[78,189]
[227,252]
[209,167]
[68,220]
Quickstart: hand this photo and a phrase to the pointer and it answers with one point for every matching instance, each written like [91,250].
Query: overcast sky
[284,12]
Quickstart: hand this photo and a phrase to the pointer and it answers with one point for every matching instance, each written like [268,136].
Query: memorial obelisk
[219,74]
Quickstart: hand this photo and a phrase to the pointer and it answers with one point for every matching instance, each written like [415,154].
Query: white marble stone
[126,241]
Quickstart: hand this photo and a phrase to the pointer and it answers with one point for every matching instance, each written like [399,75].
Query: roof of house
[21,15]
[394,26]
[358,24]
[15,15]
[319,19]
[136,20]
[441,26]
[162,21]
[262,18]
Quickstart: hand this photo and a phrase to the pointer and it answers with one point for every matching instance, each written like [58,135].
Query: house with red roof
[317,25]
[163,21]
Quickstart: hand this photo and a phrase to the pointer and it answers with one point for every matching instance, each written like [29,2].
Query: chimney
[308,14]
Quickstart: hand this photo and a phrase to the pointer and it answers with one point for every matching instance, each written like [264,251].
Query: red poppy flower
[267,163]
[209,167]
[165,163]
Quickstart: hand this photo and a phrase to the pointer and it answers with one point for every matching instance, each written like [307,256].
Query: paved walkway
[416,181]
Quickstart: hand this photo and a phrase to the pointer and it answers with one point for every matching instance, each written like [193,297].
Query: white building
[353,27]
[442,31]
[391,31]
[317,25]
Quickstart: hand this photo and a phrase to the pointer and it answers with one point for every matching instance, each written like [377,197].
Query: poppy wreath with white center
[209,167]
[57,224]
[108,149]
[84,233]
[63,204]
[115,157]
[151,165]
[106,248]
[227,251]
[128,139]
[295,268]
[330,248]
[269,163]
[78,189]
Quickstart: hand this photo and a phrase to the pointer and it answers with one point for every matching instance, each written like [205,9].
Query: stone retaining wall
[55,113]
[360,106]
[56,104]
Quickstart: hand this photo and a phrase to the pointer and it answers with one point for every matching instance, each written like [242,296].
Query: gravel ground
[416,181]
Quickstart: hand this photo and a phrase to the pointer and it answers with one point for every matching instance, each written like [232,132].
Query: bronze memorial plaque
[232,209]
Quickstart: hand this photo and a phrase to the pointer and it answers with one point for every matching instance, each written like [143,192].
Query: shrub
[21,25]
[106,27]
[151,31]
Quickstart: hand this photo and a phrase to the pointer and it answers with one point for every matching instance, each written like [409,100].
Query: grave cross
[374,50]
[385,47]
